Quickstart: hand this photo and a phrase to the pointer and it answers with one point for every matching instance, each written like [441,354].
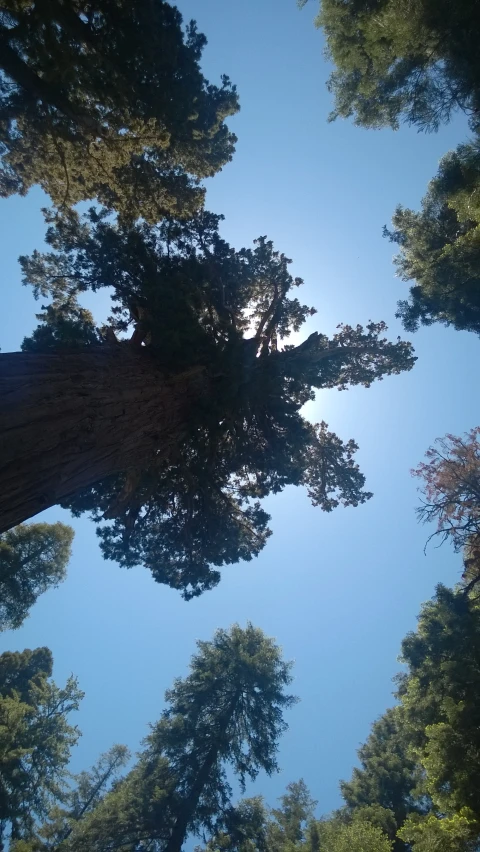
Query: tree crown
[196,304]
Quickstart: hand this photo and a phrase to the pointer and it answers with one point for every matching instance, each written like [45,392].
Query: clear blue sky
[338,591]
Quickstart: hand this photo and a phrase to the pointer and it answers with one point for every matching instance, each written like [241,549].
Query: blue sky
[338,591]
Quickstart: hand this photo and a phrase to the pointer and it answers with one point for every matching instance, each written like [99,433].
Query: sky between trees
[395,428]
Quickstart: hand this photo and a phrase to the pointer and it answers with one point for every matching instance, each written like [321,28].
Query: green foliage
[227,714]
[244,828]
[401,61]
[63,323]
[418,780]
[439,696]
[291,827]
[33,557]
[84,794]
[289,824]
[229,710]
[106,100]
[138,809]
[440,246]
[356,837]
[35,739]
[451,834]
[387,775]
[250,826]
[194,303]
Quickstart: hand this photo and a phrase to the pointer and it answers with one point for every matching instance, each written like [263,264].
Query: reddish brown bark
[67,420]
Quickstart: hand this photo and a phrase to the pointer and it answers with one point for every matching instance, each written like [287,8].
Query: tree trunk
[180,828]
[68,420]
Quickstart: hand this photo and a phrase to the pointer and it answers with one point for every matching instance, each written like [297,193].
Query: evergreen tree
[440,247]
[228,711]
[418,784]
[292,828]
[106,100]
[79,799]
[174,434]
[441,834]
[244,828]
[227,714]
[356,837]
[401,61]
[250,826]
[289,823]
[439,695]
[35,739]
[33,557]
[382,790]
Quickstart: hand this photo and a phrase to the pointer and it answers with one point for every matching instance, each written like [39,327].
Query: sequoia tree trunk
[68,420]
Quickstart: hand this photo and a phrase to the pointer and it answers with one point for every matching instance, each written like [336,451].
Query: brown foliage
[451,489]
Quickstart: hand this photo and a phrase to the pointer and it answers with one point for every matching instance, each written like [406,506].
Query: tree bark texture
[68,420]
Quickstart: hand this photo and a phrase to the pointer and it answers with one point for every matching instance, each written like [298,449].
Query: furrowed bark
[68,420]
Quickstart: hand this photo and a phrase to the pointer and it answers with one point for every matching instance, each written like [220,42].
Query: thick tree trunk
[68,420]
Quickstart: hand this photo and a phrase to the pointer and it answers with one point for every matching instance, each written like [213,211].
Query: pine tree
[225,716]
[243,828]
[401,61]
[382,790]
[356,837]
[439,695]
[229,710]
[251,826]
[35,739]
[106,100]
[33,557]
[289,823]
[83,795]
[175,433]
[291,827]
[440,247]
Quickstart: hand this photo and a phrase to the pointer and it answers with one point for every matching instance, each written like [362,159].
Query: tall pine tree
[225,716]
[35,739]
[33,558]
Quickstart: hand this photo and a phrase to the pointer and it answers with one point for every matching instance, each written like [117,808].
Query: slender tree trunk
[180,828]
[68,420]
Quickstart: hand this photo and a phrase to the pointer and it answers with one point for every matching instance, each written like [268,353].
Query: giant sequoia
[175,419]
[106,100]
